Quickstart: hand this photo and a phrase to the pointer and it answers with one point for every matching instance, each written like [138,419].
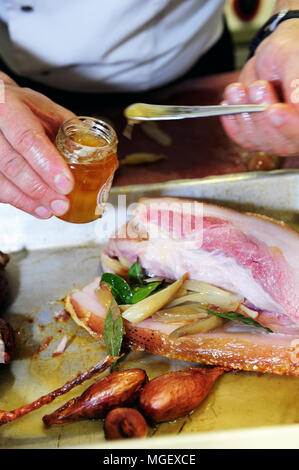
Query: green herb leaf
[113,334]
[120,289]
[136,274]
[238,317]
[141,293]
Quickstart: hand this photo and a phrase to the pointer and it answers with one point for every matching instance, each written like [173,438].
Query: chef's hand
[33,175]
[270,77]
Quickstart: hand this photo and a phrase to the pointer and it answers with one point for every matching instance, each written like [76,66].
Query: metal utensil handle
[149,112]
[222,110]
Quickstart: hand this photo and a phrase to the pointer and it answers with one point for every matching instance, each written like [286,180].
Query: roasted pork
[250,255]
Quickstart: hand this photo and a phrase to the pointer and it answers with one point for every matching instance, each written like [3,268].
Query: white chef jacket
[107,45]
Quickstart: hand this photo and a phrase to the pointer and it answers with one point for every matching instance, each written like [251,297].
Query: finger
[27,136]
[20,173]
[285,120]
[230,124]
[268,136]
[252,131]
[262,92]
[236,93]
[10,194]
[241,127]
[267,140]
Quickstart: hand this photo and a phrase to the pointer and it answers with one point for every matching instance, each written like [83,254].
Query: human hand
[270,77]
[33,175]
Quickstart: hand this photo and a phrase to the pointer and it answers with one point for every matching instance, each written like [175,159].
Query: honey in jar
[89,146]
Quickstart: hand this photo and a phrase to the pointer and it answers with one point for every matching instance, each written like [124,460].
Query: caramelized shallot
[173,395]
[263,162]
[123,423]
[115,390]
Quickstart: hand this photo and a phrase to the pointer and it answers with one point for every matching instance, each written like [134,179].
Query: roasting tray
[49,258]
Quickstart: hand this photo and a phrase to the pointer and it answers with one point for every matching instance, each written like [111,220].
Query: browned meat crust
[234,353]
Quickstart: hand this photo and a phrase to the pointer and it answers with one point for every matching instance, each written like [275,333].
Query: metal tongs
[153,112]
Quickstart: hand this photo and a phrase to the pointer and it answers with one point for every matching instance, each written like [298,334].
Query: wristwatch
[270,26]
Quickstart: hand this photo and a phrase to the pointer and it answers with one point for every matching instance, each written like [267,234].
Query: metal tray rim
[260,437]
[254,175]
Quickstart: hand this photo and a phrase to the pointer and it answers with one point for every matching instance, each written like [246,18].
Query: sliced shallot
[147,307]
[200,326]
[182,313]
[248,311]
[207,294]
[114,265]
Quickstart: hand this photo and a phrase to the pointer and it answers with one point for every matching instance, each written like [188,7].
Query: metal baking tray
[49,258]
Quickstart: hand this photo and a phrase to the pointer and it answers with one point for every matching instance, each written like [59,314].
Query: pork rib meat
[248,254]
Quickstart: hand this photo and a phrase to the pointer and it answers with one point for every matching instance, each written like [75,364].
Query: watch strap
[269,27]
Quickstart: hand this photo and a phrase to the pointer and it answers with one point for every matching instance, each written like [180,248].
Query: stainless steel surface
[276,192]
[49,258]
[155,112]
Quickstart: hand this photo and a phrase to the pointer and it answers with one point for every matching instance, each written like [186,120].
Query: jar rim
[97,124]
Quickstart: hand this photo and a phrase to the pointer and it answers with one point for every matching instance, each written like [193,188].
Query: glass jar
[89,147]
